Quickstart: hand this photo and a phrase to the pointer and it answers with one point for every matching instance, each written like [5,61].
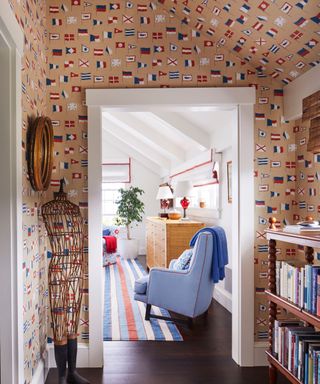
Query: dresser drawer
[167,239]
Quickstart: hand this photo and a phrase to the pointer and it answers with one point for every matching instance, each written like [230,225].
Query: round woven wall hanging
[40,153]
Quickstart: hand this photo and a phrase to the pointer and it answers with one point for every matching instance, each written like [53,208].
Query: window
[203,196]
[110,194]
[201,186]
[206,196]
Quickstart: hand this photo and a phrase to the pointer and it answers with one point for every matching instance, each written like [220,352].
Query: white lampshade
[183,189]
[164,192]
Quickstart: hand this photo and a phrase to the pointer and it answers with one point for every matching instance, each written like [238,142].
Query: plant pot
[128,249]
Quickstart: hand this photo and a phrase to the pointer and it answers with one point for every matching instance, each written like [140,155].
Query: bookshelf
[309,242]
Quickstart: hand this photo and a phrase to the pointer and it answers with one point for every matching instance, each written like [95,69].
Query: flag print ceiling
[277,37]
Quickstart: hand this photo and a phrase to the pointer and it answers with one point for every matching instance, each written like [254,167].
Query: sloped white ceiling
[163,139]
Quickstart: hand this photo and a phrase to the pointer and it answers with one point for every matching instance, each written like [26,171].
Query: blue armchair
[186,292]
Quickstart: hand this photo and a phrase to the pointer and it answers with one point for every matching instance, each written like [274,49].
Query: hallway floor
[203,357]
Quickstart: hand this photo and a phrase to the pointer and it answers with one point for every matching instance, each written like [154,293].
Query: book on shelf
[297,348]
[312,363]
[278,336]
[318,294]
[299,284]
[306,344]
[294,335]
[314,290]
[301,229]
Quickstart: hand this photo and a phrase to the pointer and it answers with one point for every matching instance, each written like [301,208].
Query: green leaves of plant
[130,207]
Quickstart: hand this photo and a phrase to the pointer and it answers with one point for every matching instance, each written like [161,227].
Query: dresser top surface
[168,221]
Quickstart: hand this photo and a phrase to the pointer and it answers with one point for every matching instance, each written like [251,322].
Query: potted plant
[130,210]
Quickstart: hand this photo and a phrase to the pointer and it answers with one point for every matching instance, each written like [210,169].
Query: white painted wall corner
[223,297]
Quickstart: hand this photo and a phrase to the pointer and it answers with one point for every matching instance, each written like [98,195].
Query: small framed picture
[229,180]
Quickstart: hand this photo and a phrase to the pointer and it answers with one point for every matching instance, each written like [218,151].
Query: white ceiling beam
[135,143]
[145,133]
[183,126]
[124,147]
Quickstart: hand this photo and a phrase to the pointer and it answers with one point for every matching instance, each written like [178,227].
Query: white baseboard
[260,358]
[41,373]
[223,297]
[82,356]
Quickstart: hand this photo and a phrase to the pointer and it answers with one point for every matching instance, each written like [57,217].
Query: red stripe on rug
[132,331]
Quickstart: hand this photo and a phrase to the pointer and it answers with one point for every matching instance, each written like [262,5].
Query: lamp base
[185,219]
[163,215]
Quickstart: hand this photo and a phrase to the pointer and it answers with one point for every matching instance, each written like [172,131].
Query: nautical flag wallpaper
[31,15]
[277,37]
[79,44]
[143,44]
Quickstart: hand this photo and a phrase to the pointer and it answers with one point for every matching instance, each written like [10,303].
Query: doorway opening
[181,147]
[113,109]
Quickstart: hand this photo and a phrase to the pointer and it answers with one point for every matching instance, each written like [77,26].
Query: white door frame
[243,99]
[11,285]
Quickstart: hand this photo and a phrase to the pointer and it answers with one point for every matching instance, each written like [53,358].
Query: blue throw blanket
[219,252]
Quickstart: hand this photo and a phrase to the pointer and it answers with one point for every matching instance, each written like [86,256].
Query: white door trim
[13,29]
[94,237]
[243,267]
[243,99]
[11,298]
[133,99]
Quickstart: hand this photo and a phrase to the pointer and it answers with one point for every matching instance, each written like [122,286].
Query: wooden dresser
[167,239]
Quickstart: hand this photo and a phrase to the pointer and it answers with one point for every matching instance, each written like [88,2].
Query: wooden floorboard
[203,357]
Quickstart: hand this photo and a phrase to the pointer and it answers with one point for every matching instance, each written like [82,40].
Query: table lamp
[183,189]
[164,195]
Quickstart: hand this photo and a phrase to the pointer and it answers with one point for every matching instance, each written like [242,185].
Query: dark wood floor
[203,357]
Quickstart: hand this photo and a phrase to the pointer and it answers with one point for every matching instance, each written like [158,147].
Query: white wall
[141,177]
[226,214]
[225,219]
[220,126]
[221,141]
[223,130]
[226,208]
[111,153]
[149,182]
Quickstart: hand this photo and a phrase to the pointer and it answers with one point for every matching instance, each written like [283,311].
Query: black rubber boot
[60,354]
[73,376]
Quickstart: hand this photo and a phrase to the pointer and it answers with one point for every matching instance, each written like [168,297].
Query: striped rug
[123,316]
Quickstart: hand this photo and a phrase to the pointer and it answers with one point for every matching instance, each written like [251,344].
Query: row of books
[298,349]
[299,284]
